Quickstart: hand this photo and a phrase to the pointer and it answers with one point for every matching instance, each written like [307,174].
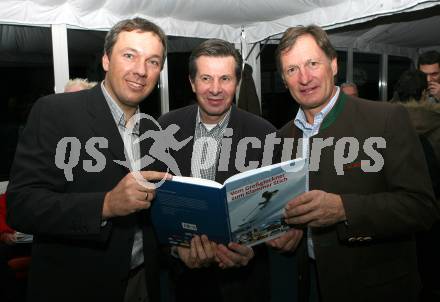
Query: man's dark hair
[215,48]
[429,58]
[138,25]
[410,86]
[292,34]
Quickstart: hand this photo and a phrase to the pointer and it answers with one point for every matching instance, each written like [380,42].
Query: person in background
[78,84]
[11,246]
[369,190]
[210,271]
[92,237]
[411,92]
[350,89]
[429,64]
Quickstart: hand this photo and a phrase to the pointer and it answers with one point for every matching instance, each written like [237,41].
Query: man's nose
[140,68]
[215,87]
[304,76]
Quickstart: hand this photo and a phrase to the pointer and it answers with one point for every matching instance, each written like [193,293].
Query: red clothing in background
[4,228]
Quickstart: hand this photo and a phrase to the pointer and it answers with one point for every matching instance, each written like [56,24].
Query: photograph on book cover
[260,217]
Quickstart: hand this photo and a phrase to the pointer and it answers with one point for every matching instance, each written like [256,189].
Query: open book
[247,209]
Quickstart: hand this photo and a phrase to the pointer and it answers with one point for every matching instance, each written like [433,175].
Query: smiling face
[214,84]
[309,75]
[132,68]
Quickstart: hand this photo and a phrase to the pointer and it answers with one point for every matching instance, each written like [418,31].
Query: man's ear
[284,81]
[192,84]
[334,65]
[105,62]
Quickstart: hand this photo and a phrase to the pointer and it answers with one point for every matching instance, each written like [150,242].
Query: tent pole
[163,88]
[349,71]
[383,81]
[60,56]
[254,60]
[251,57]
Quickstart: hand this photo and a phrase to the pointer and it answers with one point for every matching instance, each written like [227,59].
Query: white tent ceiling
[205,18]
[352,23]
[406,34]
[400,27]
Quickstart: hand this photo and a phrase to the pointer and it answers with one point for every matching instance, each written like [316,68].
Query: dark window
[278,107]
[85,54]
[180,92]
[26,73]
[342,67]
[366,74]
[396,66]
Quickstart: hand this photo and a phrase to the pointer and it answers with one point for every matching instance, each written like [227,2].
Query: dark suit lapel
[188,126]
[102,122]
[147,123]
[234,123]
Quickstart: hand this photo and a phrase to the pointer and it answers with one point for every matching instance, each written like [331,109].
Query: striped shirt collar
[309,129]
[222,124]
[209,171]
[117,113]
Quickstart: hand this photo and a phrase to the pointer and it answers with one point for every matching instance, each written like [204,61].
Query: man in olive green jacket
[369,189]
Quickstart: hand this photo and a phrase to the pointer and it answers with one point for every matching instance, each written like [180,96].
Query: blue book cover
[247,208]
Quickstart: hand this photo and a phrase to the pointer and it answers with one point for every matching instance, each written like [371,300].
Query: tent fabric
[407,38]
[205,19]
[243,22]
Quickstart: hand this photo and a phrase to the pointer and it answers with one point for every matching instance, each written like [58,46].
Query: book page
[197,181]
[246,174]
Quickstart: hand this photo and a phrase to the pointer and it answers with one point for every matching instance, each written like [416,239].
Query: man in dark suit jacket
[369,186]
[85,211]
[215,272]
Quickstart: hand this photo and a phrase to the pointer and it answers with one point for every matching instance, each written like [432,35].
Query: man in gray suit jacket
[369,185]
[214,272]
[92,239]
